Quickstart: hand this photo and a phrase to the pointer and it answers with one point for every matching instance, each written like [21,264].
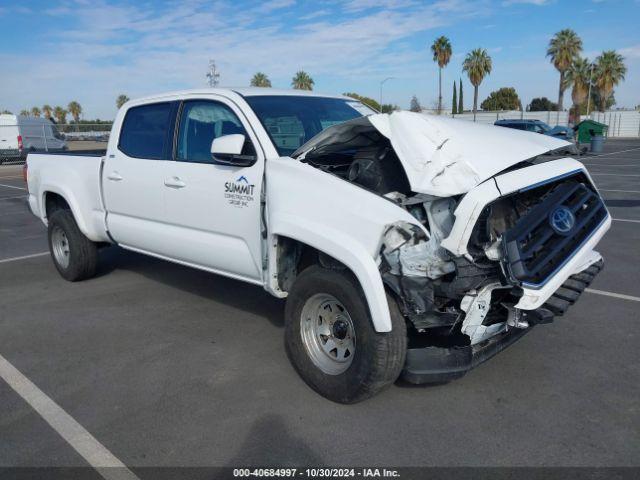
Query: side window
[200,122]
[146,130]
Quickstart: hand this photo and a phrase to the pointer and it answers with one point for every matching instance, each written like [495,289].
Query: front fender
[336,217]
[346,250]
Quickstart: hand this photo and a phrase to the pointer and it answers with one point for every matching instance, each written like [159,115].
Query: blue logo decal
[562,220]
[243,179]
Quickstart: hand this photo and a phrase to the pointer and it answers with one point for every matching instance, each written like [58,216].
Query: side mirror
[227,150]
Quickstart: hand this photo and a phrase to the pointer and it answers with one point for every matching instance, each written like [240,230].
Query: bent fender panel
[335,217]
[346,250]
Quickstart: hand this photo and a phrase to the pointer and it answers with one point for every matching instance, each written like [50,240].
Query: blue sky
[92,50]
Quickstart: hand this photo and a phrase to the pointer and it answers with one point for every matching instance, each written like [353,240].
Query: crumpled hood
[443,156]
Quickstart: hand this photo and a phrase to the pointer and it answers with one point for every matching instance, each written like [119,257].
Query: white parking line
[613,153]
[12,186]
[23,257]
[621,191]
[616,174]
[625,220]
[611,294]
[16,196]
[75,434]
[608,165]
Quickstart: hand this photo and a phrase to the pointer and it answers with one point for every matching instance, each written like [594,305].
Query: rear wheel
[331,341]
[73,254]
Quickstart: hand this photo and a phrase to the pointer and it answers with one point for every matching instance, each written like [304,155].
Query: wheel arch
[54,198]
[336,246]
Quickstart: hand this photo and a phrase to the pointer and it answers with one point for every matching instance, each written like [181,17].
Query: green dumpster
[588,128]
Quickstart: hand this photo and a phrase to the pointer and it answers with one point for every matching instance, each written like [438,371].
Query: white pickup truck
[405,244]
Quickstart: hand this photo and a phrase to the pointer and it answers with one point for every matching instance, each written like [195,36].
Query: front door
[214,211]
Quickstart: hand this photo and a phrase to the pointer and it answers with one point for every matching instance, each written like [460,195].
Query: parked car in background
[538,126]
[20,135]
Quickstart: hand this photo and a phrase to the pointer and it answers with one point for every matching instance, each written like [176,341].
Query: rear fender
[90,223]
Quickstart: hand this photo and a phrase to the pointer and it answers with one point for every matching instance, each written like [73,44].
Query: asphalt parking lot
[168,366]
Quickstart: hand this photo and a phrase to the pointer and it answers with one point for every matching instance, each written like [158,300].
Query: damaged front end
[466,302]
[446,298]
[462,310]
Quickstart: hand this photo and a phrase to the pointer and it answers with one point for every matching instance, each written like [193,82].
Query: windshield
[291,121]
[543,126]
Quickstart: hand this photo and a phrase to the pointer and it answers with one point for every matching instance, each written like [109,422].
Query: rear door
[214,211]
[134,174]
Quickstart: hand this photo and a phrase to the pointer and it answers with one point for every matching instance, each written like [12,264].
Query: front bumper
[438,364]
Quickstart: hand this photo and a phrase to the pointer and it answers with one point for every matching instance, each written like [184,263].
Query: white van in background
[20,135]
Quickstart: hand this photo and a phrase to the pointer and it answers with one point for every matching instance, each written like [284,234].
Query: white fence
[622,123]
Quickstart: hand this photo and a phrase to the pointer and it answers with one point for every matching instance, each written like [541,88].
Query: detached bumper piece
[439,364]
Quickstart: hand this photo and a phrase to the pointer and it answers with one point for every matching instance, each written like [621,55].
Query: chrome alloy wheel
[328,334]
[60,247]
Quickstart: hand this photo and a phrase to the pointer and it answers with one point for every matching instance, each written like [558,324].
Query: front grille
[534,249]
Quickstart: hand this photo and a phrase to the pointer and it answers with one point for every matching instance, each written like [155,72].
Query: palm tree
[441,50]
[47,110]
[260,80]
[302,81]
[563,49]
[609,71]
[121,100]
[24,113]
[35,111]
[75,110]
[477,64]
[60,114]
[578,76]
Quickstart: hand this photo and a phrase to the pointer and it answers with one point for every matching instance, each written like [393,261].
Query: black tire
[83,253]
[378,358]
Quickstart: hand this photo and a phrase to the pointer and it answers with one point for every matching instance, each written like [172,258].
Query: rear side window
[146,131]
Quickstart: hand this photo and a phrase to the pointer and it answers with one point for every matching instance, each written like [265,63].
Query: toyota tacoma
[406,245]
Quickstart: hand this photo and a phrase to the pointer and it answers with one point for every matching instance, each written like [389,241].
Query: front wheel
[331,341]
[73,254]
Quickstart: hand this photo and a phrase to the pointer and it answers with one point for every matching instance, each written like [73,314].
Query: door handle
[174,182]
[115,176]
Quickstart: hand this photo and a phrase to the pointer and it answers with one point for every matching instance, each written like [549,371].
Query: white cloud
[506,3]
[631,53]
[359,5]
[272,5]
[316,14]
[129,49]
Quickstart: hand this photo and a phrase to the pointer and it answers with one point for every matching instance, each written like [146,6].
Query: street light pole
[589,94]
[213,75]
[381,84]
